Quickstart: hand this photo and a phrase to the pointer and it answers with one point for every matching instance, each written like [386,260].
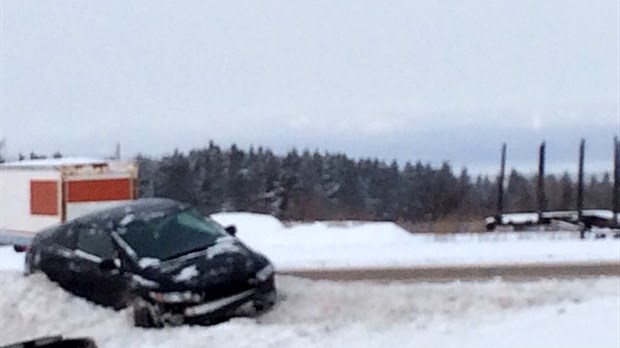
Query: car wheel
[142,315]
[265,302]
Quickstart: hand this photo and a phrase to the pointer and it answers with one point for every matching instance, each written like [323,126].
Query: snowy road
[547,313]
[521,271]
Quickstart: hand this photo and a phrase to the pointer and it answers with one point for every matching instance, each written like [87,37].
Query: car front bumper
[245,303]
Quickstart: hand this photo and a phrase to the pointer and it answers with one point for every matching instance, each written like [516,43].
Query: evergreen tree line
[326,186]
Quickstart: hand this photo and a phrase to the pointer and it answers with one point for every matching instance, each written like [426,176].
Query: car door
[55,256]
[104,286]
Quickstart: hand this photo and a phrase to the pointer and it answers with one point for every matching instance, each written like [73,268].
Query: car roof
[140,207]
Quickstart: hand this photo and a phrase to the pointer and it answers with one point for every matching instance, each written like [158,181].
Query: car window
[171,235]
[64,236]
[95,242]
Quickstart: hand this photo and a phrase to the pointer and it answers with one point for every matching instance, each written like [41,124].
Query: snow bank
[577,325]
[266,229]
[11,260]
[549,313]
[385,244]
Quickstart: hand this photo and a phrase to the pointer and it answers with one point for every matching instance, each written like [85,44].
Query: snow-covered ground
[384,244]
[548,313]
[10,260]
[545,313]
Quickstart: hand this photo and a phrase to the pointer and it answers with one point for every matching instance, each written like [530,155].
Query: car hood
[228,264]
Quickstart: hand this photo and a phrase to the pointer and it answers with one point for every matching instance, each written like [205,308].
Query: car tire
[265,302]
[142,316]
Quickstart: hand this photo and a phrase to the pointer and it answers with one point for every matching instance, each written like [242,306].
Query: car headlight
[265,273]
[175,297]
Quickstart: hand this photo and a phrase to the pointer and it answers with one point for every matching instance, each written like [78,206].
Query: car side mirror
[232,230]
[20,248]
[108,265]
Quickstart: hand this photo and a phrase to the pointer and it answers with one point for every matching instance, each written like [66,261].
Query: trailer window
[44,197]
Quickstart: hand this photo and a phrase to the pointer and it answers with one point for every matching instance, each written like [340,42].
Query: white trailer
[36,194]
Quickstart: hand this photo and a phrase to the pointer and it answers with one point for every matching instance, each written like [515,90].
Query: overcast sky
[427,80]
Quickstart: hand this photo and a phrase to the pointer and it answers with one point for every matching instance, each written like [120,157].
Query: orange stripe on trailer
[99,190]
[44,197]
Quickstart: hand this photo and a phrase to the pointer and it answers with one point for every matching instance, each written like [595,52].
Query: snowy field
[324,245]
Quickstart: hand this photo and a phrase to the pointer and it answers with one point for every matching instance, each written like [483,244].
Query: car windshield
[171,235]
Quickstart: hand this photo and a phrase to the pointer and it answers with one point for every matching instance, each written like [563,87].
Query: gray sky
[428,80]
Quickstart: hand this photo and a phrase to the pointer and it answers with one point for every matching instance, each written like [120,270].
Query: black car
[167,261]
[55,342]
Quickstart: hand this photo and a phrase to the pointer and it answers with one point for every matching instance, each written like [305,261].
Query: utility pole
[542,197]
[117,151]
[580,188]
[500,187]
[616,198]
[2,147]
